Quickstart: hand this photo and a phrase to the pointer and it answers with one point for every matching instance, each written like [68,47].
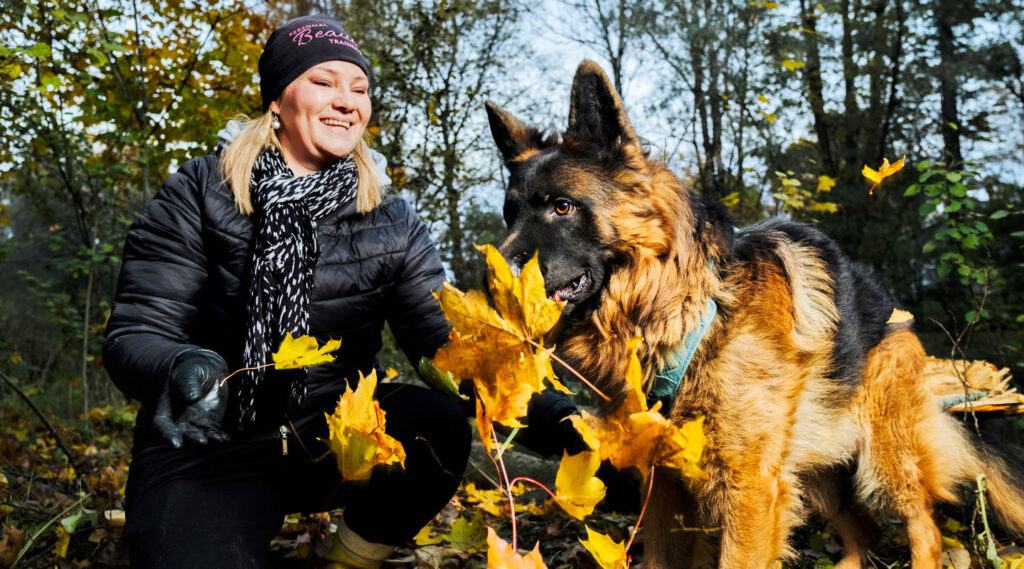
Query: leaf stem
[508,490]
[535,483]
[551,354]
[254,368]
[636,528]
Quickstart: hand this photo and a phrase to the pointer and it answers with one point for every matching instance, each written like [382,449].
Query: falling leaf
[357,436]
[826,183]
[635,436]
[883,172]
[577,487]
[899,316]
[303,351]
[501,555]
[499,349]
[608,553]
[770,117]
[763,99]
[792,64]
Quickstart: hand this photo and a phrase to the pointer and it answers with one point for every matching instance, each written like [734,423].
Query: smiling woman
[323,115]
[288,231]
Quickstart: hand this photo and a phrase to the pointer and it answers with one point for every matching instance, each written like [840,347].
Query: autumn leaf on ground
[357,436]
[303,351]
[491,501]
[423,537]
[608,553]
[578,488]
[634,436]
[501,555]
[499,350]
[883,172]
[469,534]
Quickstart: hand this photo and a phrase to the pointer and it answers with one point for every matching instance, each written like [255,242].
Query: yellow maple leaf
[501,555]
[424,538]
[294,353]
[499,350]
[769,116]
[608,553]
[491,501]
[826,183]
[577,487]
[468,533]
[883,172]
[763,99]
[792,64]
[634,436]
[357,436]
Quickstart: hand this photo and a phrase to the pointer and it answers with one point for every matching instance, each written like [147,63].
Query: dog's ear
[596,113]
[510,134]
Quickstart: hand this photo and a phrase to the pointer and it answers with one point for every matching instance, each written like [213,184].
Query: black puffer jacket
[184,284]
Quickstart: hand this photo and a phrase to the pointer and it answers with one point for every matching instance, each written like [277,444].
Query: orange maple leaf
[608,553]
[500,350]
[884,171]
[357,436]
[636,436]
[501,555]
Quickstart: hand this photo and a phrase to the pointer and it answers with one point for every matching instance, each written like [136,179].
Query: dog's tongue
[558,296]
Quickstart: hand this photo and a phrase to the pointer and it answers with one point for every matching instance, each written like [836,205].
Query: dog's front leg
[674,533]
[756,522]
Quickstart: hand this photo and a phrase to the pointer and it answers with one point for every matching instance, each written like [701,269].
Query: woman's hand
[192,403]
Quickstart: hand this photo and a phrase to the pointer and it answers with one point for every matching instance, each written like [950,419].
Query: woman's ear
[275,107]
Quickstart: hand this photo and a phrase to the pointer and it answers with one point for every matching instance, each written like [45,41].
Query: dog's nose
[517,261]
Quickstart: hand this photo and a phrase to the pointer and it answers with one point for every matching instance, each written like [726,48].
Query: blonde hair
[237,160]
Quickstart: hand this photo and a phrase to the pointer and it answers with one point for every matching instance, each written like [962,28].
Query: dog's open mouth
[572,291]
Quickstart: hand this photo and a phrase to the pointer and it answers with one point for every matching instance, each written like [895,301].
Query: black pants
[219,507]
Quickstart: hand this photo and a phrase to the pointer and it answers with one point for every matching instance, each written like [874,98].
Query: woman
[289,230]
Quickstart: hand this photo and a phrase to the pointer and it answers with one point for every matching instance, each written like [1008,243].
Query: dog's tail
[1003,467]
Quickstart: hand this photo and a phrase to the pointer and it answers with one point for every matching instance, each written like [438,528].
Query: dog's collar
[666,381]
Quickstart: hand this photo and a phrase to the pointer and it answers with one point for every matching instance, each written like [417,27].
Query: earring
[277,122]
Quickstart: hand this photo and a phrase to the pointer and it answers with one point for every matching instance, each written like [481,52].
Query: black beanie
[300,44]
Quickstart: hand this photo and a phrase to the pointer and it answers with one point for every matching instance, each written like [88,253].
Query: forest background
[771,107]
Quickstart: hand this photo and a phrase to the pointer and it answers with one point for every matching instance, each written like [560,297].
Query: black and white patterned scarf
[286,209]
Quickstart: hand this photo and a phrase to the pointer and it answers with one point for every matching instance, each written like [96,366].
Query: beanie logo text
[305,34]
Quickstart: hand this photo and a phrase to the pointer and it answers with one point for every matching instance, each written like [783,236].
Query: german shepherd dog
[813,400]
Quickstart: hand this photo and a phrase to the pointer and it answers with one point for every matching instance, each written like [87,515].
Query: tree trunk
[947,83]
[816,88]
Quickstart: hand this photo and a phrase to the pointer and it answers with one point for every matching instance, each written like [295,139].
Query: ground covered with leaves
[63,507]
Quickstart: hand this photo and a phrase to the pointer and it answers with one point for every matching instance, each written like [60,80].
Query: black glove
[549,429]
[192,403]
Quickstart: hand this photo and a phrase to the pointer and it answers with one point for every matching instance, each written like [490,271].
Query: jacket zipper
[284,440]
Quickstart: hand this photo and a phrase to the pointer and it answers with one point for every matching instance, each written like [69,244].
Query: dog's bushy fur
[811,399]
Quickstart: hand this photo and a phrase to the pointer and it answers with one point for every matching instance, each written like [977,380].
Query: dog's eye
[563,206]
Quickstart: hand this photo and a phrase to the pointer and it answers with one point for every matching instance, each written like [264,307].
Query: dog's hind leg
[904,464]
[671,541]
[830,493]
